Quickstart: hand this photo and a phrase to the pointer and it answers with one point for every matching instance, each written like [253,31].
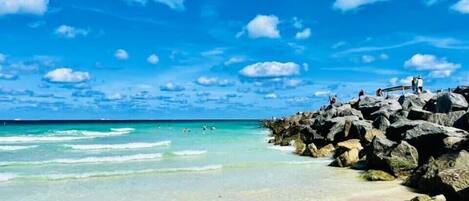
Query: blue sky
[185,59]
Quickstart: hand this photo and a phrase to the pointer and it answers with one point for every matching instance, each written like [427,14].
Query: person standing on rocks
[361,93]
[419,85]
[379,92]
[414,84]
[332,100]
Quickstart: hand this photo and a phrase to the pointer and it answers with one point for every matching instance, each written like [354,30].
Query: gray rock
[347,110]
[463,90]
[446,119]
[395,158]
[462,122]
[337,129]
[448,102]
[381,123]
[409,101]
[448,174]
[377,175]
[346,159]
[430,139]
[418,114]
[359,128]
[369,104]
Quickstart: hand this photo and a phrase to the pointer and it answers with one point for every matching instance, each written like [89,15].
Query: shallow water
[168,161]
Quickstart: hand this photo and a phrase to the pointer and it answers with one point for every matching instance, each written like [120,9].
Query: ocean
[167,160]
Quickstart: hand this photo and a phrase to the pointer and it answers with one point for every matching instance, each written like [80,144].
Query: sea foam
[106,159]
[117,146]
[132,172]
[189,152]
[113,132]
[283,148]
[33,139]
[6,177]
[15,148]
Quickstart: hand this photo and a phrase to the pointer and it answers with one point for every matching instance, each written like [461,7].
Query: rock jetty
[422,139]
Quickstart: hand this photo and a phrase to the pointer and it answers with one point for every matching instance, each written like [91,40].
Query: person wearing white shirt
[419,84]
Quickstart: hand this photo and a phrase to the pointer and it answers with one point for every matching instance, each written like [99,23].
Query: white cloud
[153,59]
[263,26]
[7,76]
[305,34]
[70,32]
[368,59]
[297,23]
[384,56]
[338,44]
[438,67]
[346,5]
[322,93]
[121,54]
[270,69]
[170,86]
[3,58]
[271,96]
[114,96]
[306,67]
[213,52]
[430,2]
[173,4]
[403,81]
[371,58]
[66,75]
[461,6]
[35,7]
[213,81]
[234,60]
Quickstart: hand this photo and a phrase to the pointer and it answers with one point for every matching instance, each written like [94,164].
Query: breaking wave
[117,146]
[113,132]
[6,177]
[106,159]
[15,148]
[33,139]
[189,152]
[124,173]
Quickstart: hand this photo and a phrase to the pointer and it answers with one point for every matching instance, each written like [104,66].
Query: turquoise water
[194,160]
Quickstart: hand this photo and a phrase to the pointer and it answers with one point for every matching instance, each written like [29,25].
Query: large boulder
[347,153]
[462,122]
[346,159]
[377,105]
[308,135]
[419,114]
[448,174]
[448,102]
[446,119]
[395,158]
[463,90]
[359,128]
[321,152]
[408,101]
[377,175]
[337,129]
[430,139]
[370,135]
[347,110]
[400,115]
[381,122]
